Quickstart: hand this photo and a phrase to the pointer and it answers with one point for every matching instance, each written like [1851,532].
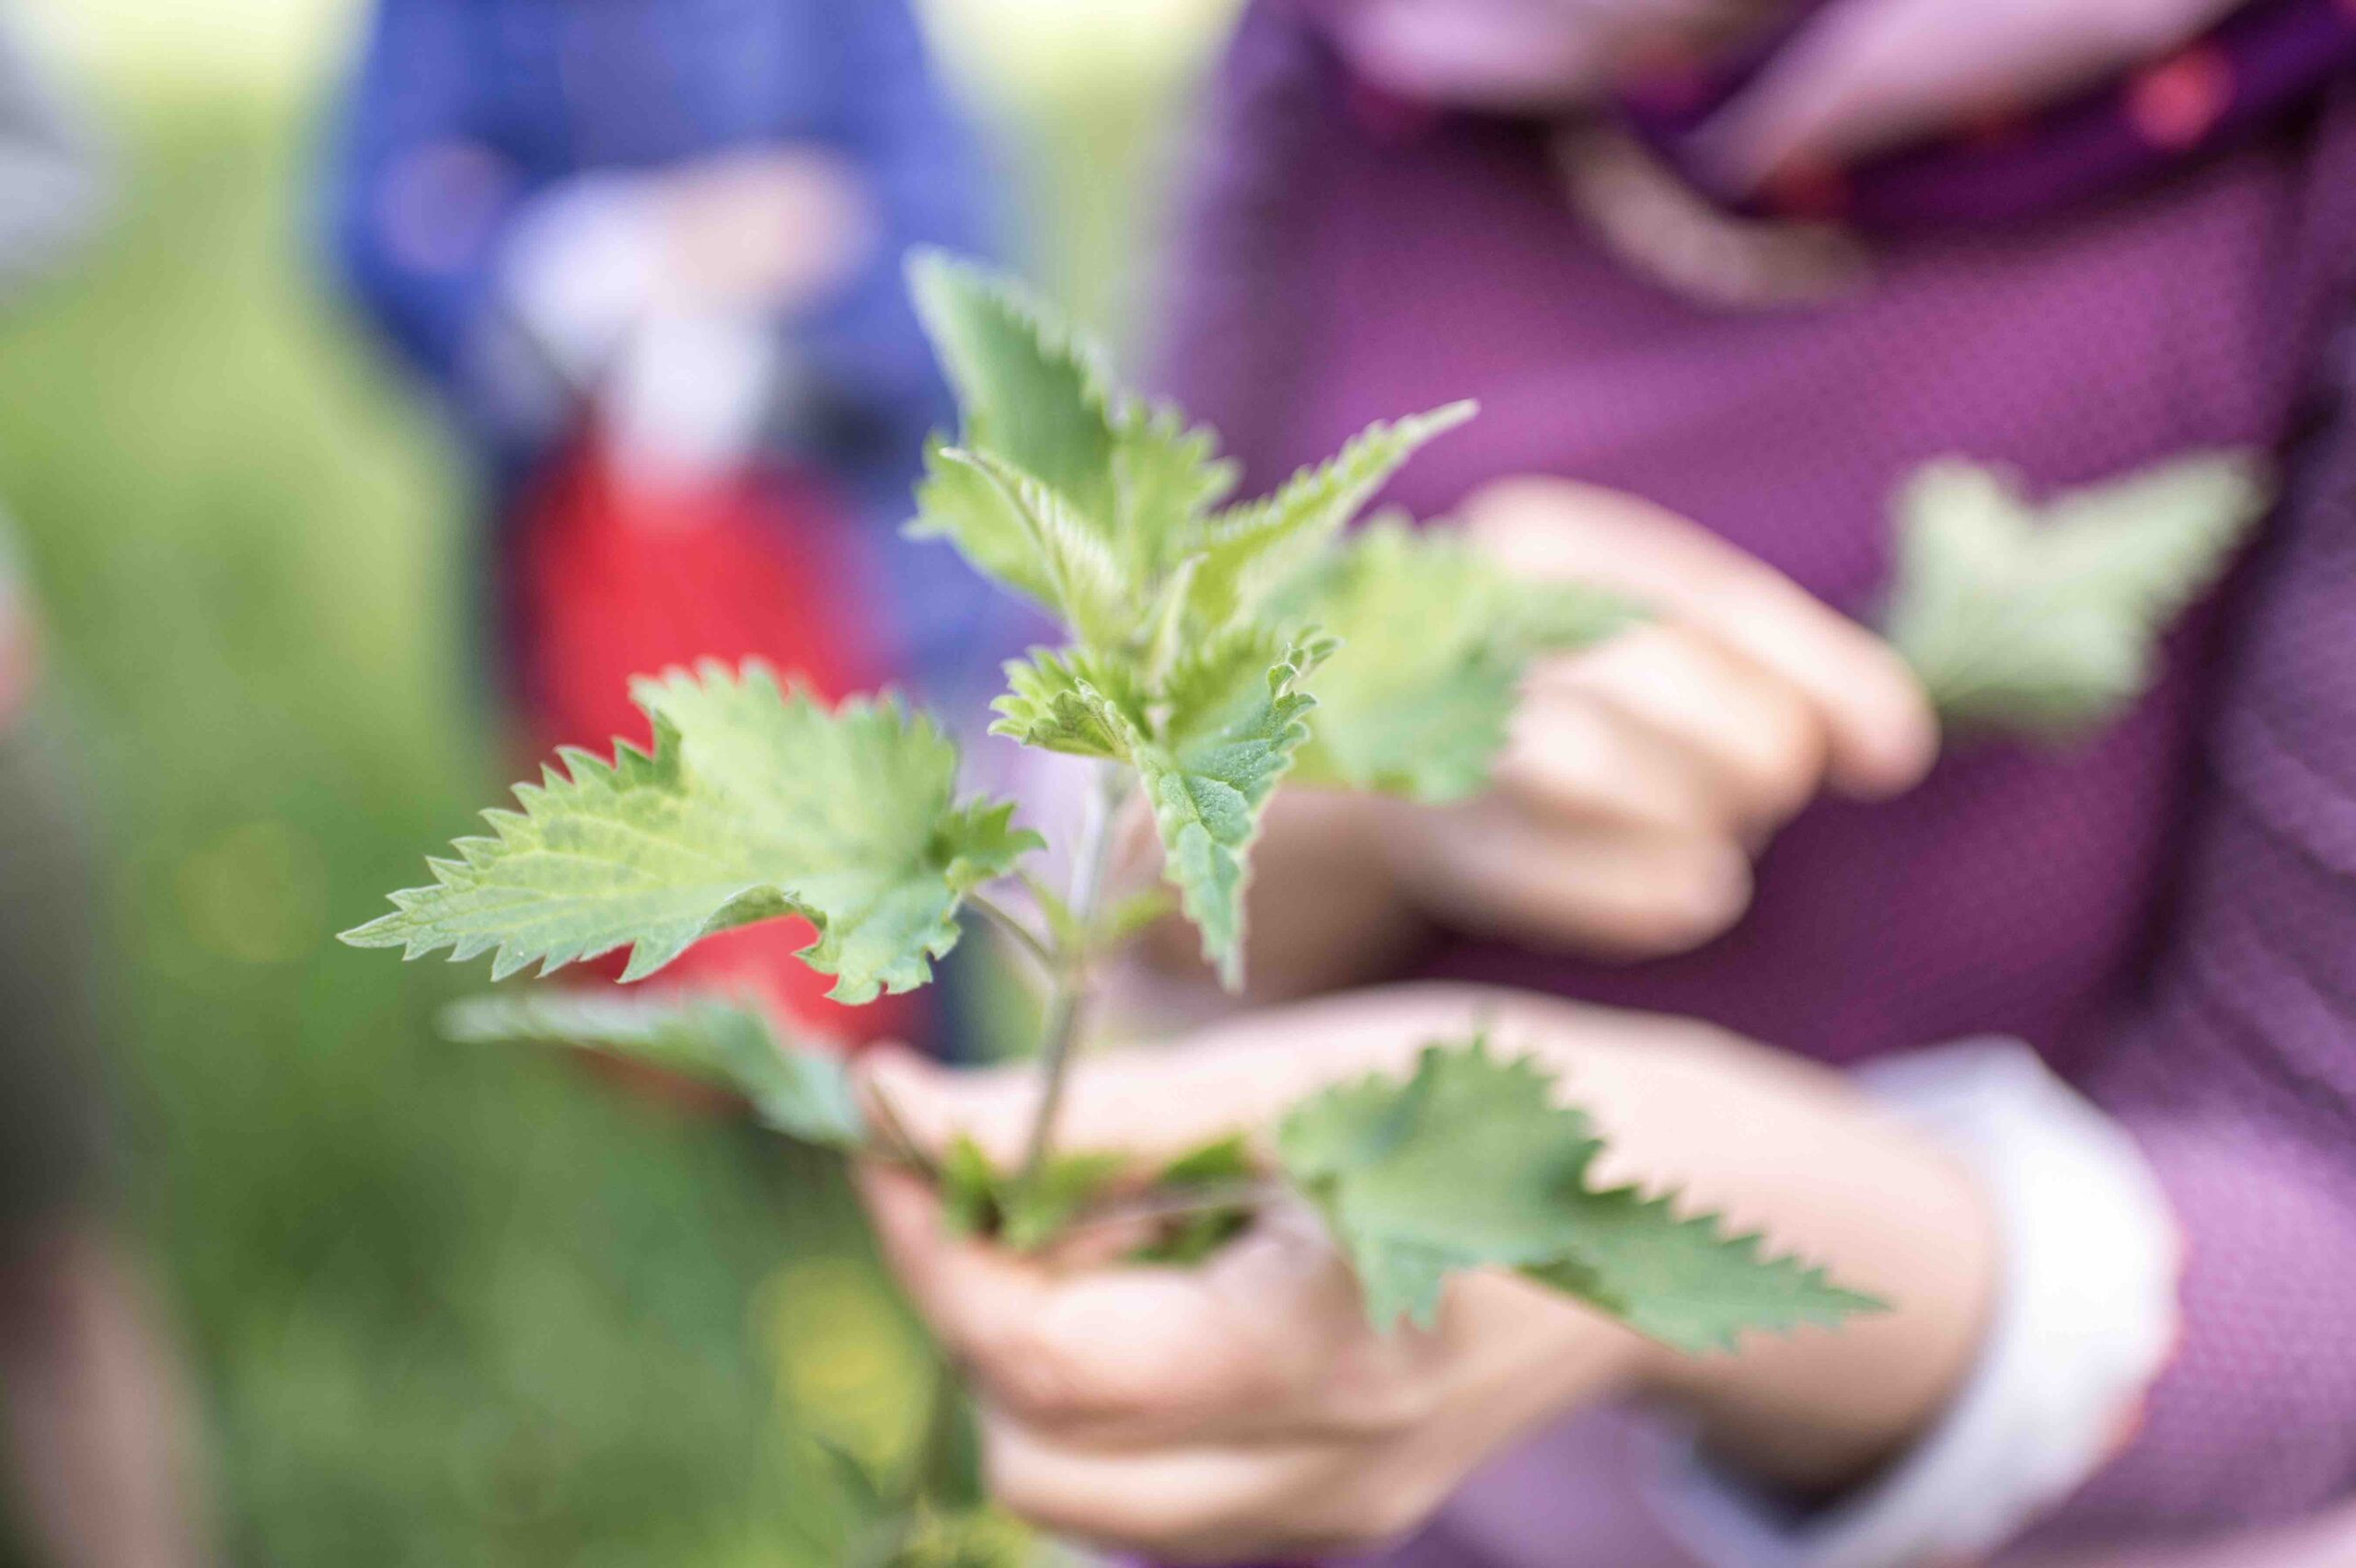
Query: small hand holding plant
[1215,650]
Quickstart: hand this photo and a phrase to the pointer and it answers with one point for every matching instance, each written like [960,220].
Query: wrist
[1817,1411]
[1827,1175]
[2084,1320]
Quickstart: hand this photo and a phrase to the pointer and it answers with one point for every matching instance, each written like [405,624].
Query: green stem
[1068,979]
[1006,920]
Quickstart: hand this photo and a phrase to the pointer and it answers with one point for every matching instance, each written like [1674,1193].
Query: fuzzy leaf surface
[799,1090]
[1032,388]
[958,502]
[1247,552]
[1433,640]
[2047,619]
[1072,701]
[755,802]
[1087,587]
[1166,475]
[1684,1280]
[1235,717]
[1470,1162]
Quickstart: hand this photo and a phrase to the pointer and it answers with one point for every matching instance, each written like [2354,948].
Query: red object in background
[615,577]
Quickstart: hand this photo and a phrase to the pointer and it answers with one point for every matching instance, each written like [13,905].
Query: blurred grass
[443,1307]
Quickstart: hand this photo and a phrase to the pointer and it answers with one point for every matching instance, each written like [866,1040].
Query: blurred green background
[441,1308]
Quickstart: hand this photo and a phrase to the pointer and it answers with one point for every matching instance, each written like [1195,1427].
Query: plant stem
[1006,920]
[1069,980]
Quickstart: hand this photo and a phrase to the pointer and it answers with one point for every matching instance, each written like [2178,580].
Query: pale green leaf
[1129,482]
[970,1188]
[1087,587]
[1471,1162]
[1165,476]
[1433,640]
[1032,388]
[2048,620]
[1249,551]
[802,1090]
[755,802]
[1072,701]
[958,502]
[1233,720]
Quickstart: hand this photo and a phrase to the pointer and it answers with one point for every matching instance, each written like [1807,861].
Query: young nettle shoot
[2045,621]
[1215,649]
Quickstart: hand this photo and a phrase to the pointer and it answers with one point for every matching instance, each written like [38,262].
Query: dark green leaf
[1234,718]
[1471,1162]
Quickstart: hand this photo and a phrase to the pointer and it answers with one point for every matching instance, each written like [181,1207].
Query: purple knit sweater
[2168,912]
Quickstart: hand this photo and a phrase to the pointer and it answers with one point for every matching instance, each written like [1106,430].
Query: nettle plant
[1215,650]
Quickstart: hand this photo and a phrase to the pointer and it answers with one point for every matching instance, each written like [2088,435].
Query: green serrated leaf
[1093,501]
[802,1090]
[1032,388]
[1073,701]
[1560,618]
[1471,1162]
[1466,1163]
[2046,620]
[1165,476]
[1234,718]
[958,502]
[755,802]
[1685,1281]
[1418,697]
[1087,587]
[1249,551]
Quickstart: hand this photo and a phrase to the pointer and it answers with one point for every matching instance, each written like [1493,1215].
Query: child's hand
[1242,1407]
[1247,1405]
[1645,774]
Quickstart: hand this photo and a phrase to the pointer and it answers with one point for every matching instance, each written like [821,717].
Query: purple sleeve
[2240,1079]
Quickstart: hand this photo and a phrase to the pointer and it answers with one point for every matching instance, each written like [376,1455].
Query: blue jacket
[489,102]
[463,110]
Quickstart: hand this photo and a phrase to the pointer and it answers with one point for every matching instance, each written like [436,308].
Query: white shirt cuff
[2084,1319]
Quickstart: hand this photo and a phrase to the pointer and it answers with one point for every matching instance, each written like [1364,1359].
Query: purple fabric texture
[2168,912]
[2234,82]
